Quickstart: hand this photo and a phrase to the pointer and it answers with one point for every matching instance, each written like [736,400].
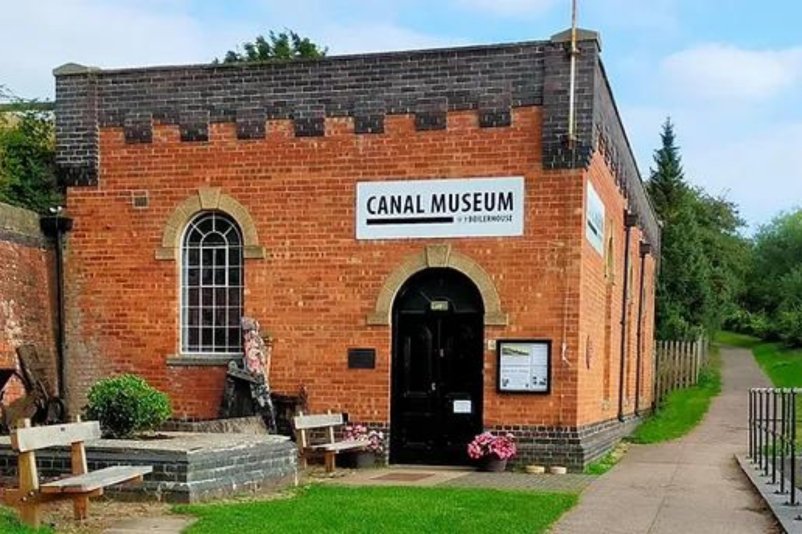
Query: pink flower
[487,444]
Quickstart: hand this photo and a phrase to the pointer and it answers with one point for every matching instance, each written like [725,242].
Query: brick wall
[294,168]
[603,295]
[27,289]
[317,285]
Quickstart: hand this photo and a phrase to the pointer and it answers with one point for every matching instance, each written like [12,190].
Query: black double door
[437,367]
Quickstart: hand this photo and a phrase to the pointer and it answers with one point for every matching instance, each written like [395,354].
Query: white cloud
[654,15]
[123,33]
[508,7]
[757,170]
[377,38]
[726,72]
[750,165]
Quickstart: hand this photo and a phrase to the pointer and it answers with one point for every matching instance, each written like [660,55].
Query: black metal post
[793,447]
[767,400]
[773,436]
[751,425]
[783,438]
[758,412]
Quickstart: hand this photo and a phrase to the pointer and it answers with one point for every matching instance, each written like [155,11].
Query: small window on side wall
[211,285]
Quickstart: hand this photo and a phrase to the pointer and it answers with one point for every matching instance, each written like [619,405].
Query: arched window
[211,285]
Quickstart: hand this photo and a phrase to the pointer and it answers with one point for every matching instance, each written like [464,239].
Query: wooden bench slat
[341,445]
[101,478]
[305,422]
[42,437]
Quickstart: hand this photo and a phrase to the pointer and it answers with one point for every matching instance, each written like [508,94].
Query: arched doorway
[437,379]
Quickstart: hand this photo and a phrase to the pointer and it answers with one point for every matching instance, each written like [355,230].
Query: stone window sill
[201,360]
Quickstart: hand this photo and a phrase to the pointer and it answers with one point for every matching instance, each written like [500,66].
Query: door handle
[434,386]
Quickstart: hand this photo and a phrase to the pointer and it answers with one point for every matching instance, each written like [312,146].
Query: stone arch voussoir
[208,198]
[441,256]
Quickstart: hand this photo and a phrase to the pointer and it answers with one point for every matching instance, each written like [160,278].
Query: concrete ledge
[21,226]
[187,360]
[187,467]
[789,517]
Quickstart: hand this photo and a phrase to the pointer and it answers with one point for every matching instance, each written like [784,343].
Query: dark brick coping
[69,69]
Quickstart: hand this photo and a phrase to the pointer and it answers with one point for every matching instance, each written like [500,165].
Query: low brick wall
[27,292]
[187,468]
[573,448]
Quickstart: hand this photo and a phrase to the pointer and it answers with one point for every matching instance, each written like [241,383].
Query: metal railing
[772,437]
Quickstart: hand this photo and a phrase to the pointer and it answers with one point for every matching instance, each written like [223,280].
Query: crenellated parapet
[490,80]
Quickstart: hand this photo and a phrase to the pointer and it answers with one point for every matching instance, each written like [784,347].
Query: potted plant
[491,451]
[375,447]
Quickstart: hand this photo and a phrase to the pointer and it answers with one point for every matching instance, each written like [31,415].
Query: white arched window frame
[212,275]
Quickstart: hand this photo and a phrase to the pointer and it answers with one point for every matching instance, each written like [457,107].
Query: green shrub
[127,404]
[790,326]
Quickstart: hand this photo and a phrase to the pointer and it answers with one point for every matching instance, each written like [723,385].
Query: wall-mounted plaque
[524,365]
[457,207]
[361,358]
[463,406]
[594,219]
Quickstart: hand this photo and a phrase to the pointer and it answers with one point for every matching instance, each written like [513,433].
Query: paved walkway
[691,485]
[461,478]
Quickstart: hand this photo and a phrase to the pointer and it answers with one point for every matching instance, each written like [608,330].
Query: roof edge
[69,69]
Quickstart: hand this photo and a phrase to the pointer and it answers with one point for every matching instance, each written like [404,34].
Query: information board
[524,365]
[594,220]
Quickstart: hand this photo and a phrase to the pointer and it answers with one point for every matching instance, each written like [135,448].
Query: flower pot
[364,459]
[493,464]
[357,460]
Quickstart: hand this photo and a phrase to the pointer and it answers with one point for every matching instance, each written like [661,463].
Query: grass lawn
[782,365]
[9,524]
[329,508]
[682,409]
[608,461]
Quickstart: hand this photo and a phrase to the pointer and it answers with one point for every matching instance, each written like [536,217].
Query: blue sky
[729,72]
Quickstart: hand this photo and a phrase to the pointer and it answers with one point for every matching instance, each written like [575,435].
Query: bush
[790,326]
[127,404]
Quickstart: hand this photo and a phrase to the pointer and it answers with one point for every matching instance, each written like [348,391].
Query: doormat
[404,477]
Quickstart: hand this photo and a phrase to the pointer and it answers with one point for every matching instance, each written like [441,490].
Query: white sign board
[594,220]
[523,366]
[463,406]
[470,207]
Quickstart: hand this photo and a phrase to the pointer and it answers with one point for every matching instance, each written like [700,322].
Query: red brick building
[388,218]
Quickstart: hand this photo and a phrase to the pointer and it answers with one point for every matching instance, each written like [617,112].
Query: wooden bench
[330,448]
[31,495]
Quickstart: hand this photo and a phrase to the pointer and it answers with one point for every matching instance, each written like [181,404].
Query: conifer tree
[685,300]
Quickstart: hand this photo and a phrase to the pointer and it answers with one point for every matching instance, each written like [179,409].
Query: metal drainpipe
[629,221]
[56,226]
[645,249]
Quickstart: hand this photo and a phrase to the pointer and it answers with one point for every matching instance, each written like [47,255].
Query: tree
[773,303]
[27,157]
[699,275]
[286,45]
[667,186]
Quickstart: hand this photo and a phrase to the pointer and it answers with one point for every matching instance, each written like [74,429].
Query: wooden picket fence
[678,364]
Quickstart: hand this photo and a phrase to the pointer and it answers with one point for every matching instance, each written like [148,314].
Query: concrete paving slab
[691,485]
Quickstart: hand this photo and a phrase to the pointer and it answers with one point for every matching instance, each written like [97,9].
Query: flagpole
[574,52]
